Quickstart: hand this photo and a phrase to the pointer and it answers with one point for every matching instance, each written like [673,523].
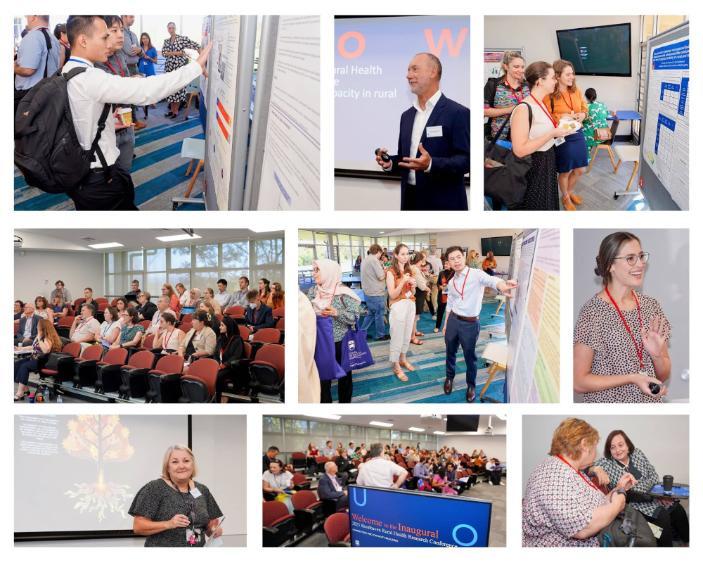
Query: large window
[197,265]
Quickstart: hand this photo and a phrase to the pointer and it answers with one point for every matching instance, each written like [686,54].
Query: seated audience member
[170,338]
[131,332]
[193,299]
[109,332]
[344,464]
[41,308]
[212,321]
[240,297]
[277,297]
[27,330]
[222,297]
[330,487]
[162,306]
[210,299]
[19,309]
[270,455]
[230,348]
[257,314]
[46,341]
[264,290]
[495,471]
[120,304]
[85,326]
[329,451]
[59,307]
[310,457]
[61,291]
[174,300]
[440,484]
[200,341]
[133,292]
[146,308]
[182,293]
[276,480]
[88,296]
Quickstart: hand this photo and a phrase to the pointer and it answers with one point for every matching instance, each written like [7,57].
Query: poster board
[532,374]
[492,59]
[664,152]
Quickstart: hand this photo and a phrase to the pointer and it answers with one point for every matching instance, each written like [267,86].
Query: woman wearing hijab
[330,298]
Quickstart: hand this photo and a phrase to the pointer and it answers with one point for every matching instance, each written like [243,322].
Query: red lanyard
[514,92]
[587,481]
[166,338]
[461,293]
[119,64]
[544,109]
[638,349]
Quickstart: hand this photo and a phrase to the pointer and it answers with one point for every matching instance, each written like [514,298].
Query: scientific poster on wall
[290,170]
[222,69]
[492,59]
[533,349]
[665,145]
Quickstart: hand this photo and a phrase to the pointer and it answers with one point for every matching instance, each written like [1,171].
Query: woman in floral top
[597,119]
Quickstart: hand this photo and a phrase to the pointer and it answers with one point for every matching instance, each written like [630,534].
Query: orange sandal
[566,200]
[576,199]
[400,374]
[407,365]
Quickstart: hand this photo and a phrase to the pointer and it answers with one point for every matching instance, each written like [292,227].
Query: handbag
[327,366]
[629,529]
[356,353]
[507,181]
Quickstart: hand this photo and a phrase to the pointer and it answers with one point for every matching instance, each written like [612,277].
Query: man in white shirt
[380,472]
[433,144]
[107,187]
[85,325]
[240,297]
[222,297]
[461,325]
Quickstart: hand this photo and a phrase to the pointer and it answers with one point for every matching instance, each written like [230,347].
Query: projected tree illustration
[101,440]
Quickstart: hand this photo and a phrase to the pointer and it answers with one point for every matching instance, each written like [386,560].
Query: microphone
[654,388]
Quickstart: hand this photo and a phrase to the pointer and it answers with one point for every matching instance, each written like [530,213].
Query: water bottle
[47,396]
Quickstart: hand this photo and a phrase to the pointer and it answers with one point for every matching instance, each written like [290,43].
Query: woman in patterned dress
[562,507]
[175,57]
[597,119]
[621,336]
[620,456]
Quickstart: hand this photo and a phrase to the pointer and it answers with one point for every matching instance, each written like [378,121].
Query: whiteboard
[533,343]
[289,175]
[664,151]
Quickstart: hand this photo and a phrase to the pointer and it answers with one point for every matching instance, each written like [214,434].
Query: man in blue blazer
[27,331]
[330,487]
[433,145]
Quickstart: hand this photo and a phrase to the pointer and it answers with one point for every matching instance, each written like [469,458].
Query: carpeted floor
[377,383]
[158,171]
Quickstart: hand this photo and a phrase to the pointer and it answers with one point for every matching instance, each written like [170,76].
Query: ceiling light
[326,416]
[174,238]
[381,424]
[106,245]
[414,429]
[440,432]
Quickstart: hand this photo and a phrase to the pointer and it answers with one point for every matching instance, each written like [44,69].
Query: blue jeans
[462,333]
[376,305]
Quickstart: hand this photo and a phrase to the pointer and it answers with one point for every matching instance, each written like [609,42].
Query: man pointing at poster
[433,145]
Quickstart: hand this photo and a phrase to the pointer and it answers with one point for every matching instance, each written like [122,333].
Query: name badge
[195,492]
[435,131]
[558,141]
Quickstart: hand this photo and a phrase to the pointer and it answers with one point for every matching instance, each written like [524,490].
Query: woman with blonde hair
[175,510]
[401,286]
[562,507]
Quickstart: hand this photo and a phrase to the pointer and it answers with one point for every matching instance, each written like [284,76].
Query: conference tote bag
[503,172]
[325,359]
[356,353]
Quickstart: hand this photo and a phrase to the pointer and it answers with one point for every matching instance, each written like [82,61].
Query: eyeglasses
[631,259]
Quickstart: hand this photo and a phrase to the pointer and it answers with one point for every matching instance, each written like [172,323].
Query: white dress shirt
[91,90]
[224,299]
[378,472]
[470,304]
[422,116]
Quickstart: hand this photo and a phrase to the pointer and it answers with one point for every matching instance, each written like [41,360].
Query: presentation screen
[371,90]
[597,51]
[397,518]
[81,473]
[500,246]
[462,422]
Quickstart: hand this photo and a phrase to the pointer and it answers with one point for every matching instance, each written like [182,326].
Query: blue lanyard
[78,61]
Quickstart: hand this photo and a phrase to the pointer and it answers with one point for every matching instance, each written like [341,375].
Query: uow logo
[355,495]
[356,49]
[445,38]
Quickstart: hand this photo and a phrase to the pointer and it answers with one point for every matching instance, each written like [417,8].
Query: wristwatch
[620,490]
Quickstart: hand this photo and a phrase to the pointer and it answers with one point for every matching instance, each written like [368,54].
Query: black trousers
[441,307]
[114,192]
[344,384]
[670,520]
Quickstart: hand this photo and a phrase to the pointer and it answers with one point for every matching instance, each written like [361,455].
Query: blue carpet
[425,385]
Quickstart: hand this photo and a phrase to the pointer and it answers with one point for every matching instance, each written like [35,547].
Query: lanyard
[638,349]
[78,61]
[587,481]
[514,92]
[119,64]
[461,293]
[107,328]
[570,103]
[544,109]
[167,338]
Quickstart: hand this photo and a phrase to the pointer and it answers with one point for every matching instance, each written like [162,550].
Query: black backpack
[47,150]
[489,95]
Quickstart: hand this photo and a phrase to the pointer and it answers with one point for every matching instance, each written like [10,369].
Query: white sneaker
[434,317]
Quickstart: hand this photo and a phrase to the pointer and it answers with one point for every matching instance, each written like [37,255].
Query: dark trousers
[101,193]
[23,368]
[462,333]
[441,307]
[344,385]
[670,520]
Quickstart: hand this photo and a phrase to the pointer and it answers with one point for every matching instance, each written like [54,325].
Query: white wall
[537,35]
[472,240]
[663,439]
[493,446]
[36,271]
[666,280]
[363,194]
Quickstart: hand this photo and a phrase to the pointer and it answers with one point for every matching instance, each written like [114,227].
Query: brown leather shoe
[470,393]
[448,384]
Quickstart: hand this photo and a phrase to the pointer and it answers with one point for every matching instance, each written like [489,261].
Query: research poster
[395,518]
[533,350]
[370,78]
[222,70]
[290,169]
[665,145]
[492,59]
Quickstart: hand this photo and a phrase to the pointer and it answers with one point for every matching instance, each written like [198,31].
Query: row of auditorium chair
[162,378]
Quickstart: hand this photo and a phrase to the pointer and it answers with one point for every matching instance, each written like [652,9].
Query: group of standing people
[548,119]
